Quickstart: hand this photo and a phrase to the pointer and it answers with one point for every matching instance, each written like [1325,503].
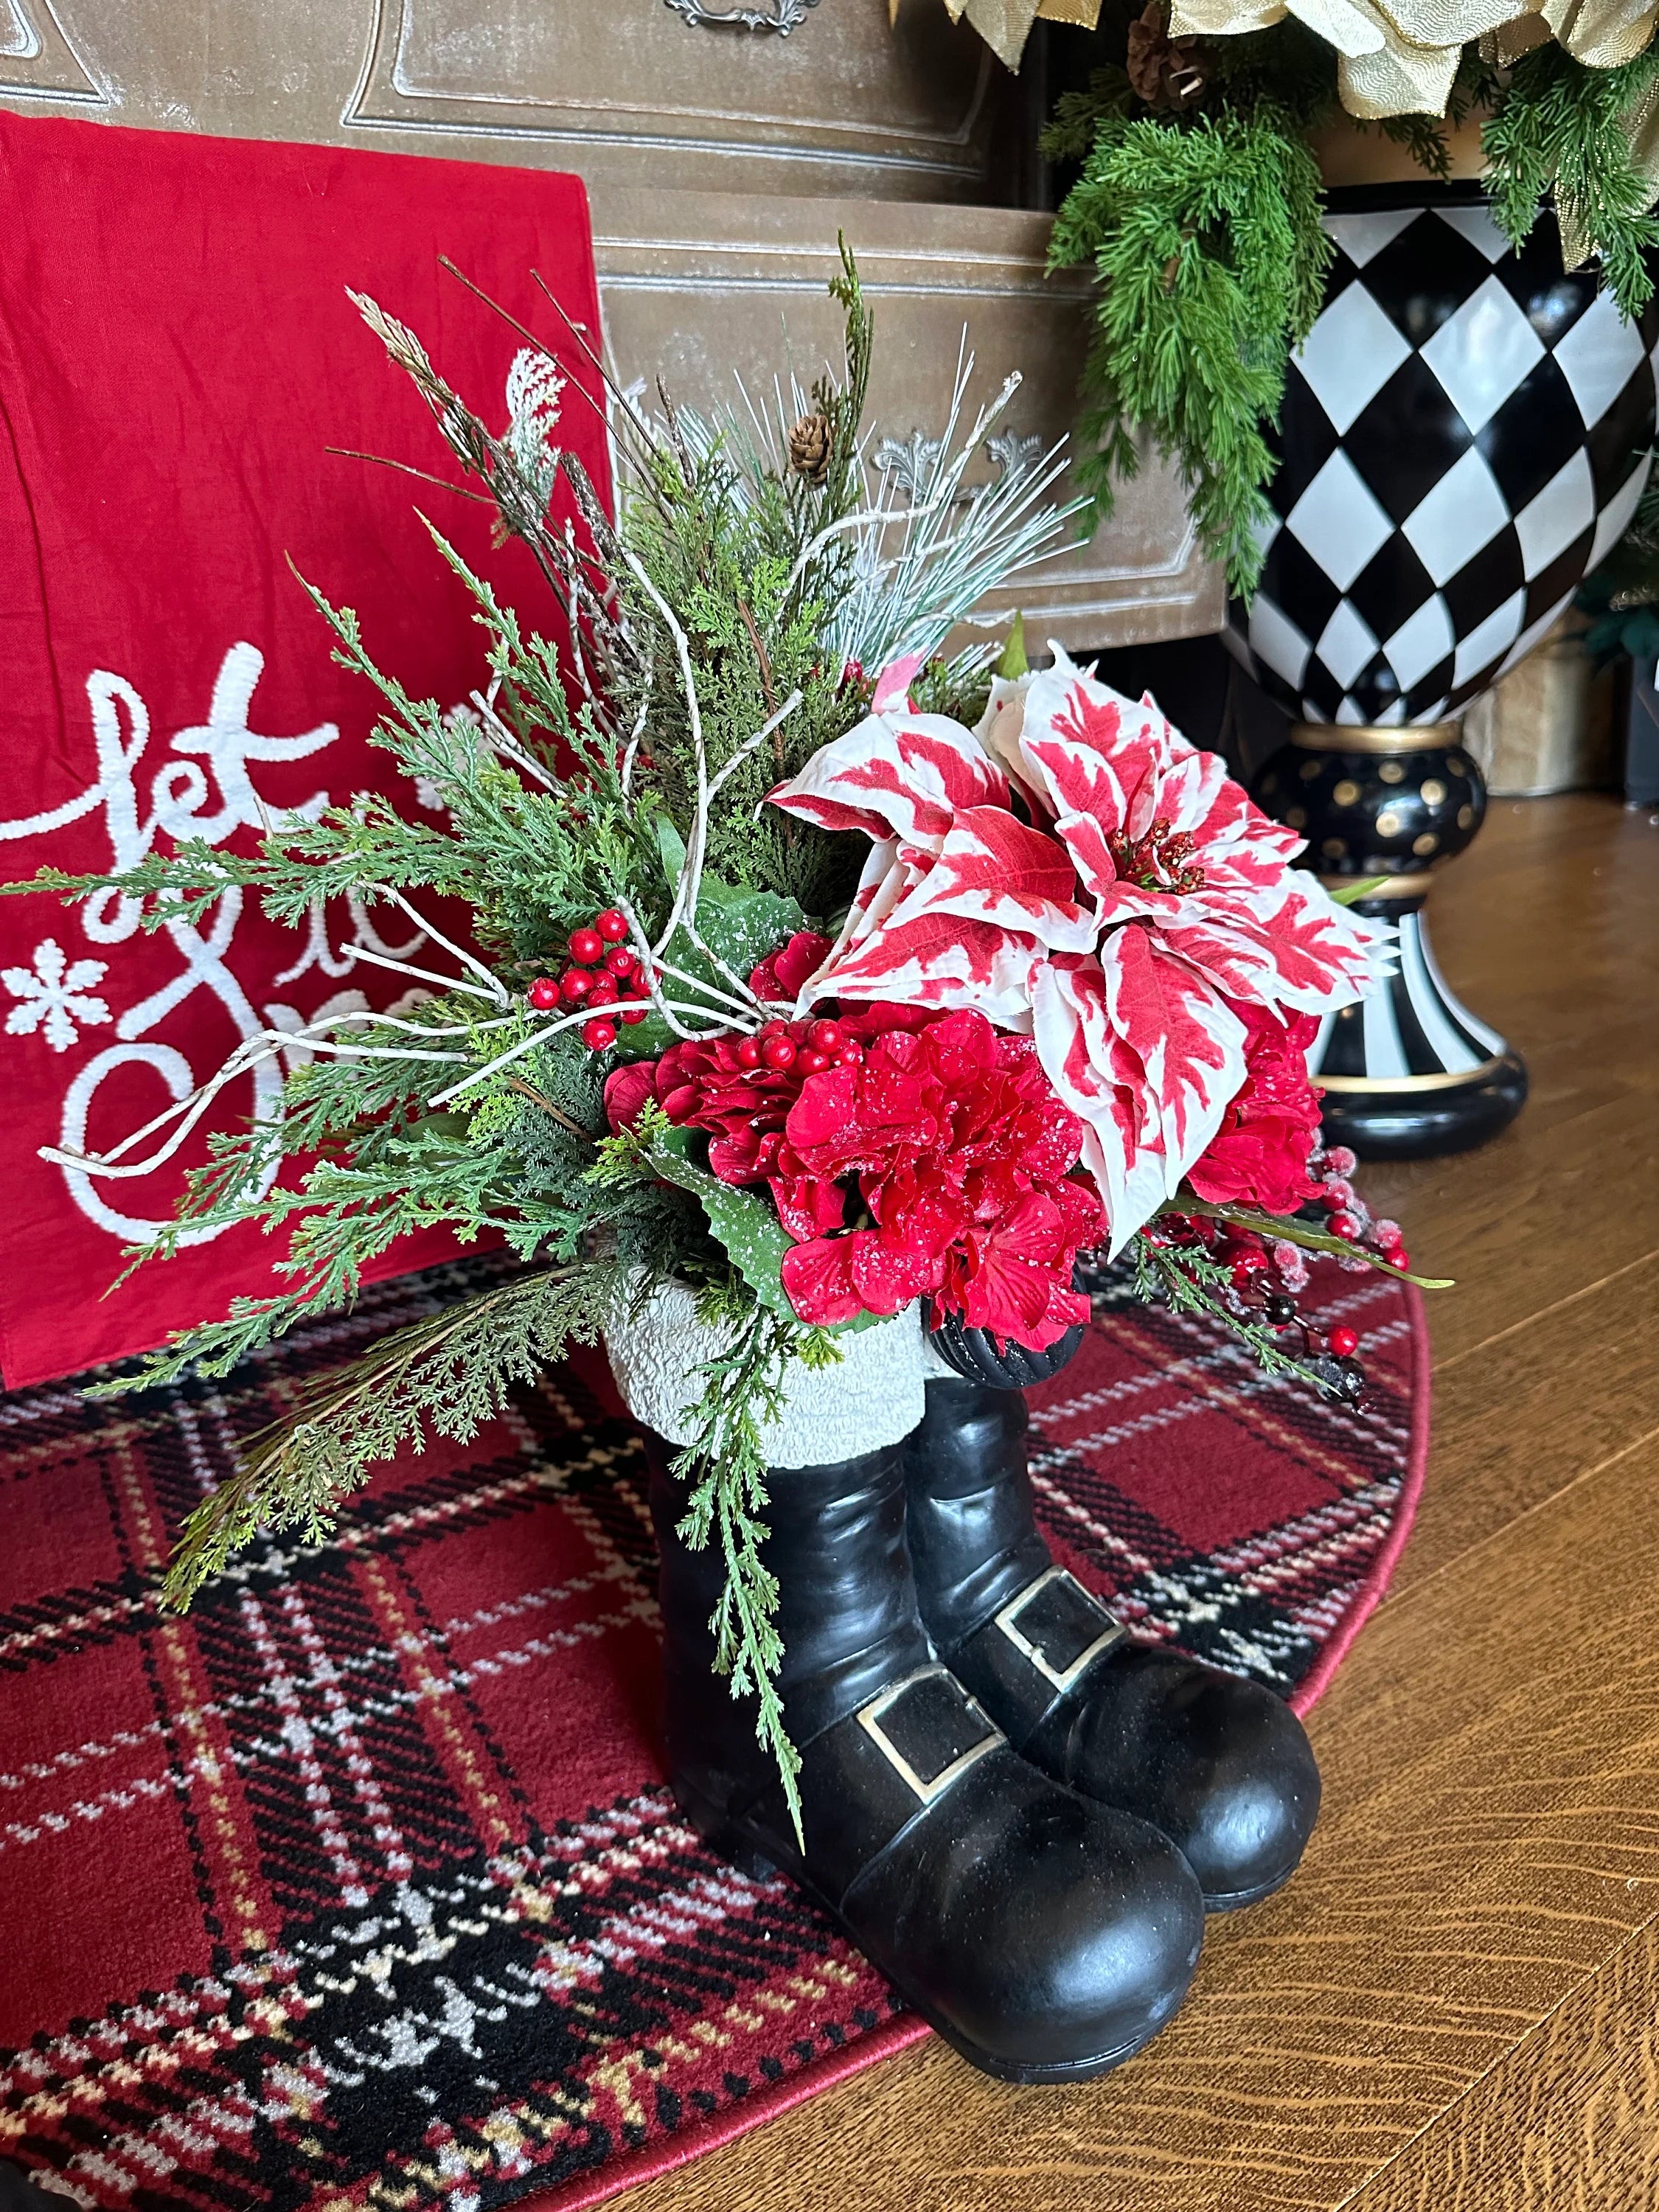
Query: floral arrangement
[818,992]
[1195,192]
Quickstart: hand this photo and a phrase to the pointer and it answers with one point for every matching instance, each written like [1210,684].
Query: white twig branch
[502,740]
[493,981]
[265,1045]
[354,951]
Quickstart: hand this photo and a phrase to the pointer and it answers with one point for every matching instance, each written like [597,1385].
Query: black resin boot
[1221,1766]
[1047,1938]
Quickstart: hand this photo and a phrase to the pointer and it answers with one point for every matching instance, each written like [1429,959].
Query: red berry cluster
[1347,1215]
[809,1047]
[605,973]
[1266,1274]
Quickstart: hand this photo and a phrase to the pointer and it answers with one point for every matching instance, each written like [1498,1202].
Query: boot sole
[733,1844]
[1236,1900]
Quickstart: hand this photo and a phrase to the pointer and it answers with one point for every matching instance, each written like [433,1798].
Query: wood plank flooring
[1453,2007]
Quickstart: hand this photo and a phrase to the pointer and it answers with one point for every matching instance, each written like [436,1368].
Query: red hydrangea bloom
[1259,1156]
[962,1156]
[702,1084]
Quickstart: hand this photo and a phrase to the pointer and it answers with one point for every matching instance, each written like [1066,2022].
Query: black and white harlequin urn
[1466,433]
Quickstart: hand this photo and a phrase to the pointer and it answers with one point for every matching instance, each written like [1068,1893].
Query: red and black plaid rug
[360,1887]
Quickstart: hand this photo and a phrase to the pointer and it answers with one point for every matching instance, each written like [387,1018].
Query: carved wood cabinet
[721,162]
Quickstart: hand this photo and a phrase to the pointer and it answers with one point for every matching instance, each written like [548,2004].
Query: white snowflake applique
[53,996]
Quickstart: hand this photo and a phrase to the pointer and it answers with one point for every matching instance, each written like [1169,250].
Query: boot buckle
[927,1788]
[1065,1632]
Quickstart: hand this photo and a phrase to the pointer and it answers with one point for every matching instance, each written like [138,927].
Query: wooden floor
[1454,2007]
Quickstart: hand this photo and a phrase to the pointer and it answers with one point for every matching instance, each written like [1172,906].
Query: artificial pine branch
[1205,237]
[1563,131]
[446,1374]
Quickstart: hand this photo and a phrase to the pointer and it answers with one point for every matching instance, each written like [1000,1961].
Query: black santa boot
[1221,1766]
[1045,1937]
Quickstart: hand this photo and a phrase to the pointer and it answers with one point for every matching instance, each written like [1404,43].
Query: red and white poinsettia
[960,901]
[1128,925]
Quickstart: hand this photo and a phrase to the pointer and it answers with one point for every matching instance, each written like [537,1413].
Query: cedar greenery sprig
[1189,1281]
[1206,242]
[446,1374]
[743,1388]
[1563,134]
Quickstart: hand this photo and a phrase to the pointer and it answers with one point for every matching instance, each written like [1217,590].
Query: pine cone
[810,443]
[1167,73]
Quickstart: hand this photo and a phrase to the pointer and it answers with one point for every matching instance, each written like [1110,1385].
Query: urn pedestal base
[1409,1074]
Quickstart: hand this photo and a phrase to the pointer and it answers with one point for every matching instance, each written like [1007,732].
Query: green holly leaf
[742,1222]
[739,927]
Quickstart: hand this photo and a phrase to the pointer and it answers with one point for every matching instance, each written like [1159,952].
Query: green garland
[1207,241]
[1201,221]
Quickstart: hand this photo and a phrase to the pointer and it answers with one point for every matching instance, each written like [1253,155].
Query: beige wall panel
[720,162]
[740,287]
[622,90]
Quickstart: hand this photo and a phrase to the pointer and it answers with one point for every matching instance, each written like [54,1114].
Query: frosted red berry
[575,984]
[542,994]
[1343,1225]
[586,946]
[602,990]
[622,960]
[824,1037]
[779,1052]
[634,1015]
[597,1034]
[612,926]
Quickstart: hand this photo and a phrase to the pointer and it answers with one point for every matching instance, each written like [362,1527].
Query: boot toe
[1220,1765]
[1248,1799]
[1047,1938]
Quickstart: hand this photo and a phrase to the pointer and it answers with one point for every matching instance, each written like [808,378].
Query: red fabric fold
[177,354]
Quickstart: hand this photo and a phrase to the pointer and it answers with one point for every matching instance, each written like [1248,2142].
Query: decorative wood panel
[842,103]
[720,162]
[739,286]
[37,61]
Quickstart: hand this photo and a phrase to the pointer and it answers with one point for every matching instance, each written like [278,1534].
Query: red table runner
[176,354]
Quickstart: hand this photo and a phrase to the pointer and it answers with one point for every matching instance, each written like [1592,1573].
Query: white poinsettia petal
[997,731]
[924,958]
[896,773]
[1098,1076]
[1290,946]
[1188,1040]
[992,868]
[891,692]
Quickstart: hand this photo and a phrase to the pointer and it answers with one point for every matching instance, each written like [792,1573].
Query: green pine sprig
[444,1376]
[1205,240]
[1562,133]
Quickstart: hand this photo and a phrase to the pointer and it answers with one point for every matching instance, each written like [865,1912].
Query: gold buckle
[1059,1677]
[869,1719]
